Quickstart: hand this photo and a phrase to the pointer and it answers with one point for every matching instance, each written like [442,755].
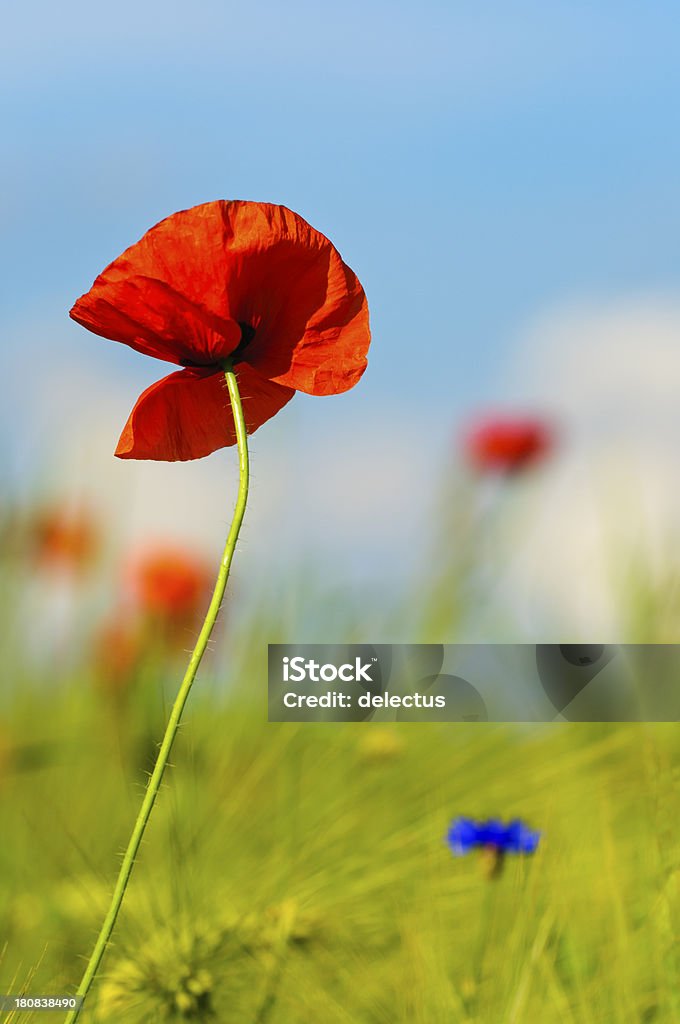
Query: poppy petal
[188,414]
[307,307]
[184,292]
[164,296]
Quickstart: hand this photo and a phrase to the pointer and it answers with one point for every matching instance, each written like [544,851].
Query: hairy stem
[156,777]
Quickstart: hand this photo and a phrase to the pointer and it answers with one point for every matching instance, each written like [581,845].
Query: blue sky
[474,163]
[477,165]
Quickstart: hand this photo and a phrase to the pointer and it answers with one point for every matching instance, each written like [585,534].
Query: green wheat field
[299,873]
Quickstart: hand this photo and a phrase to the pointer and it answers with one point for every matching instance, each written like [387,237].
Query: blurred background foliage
[299,872]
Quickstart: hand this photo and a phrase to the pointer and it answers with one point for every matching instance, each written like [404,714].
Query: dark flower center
[247,335]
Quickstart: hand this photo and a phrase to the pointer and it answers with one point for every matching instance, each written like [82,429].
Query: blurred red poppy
[64,539]
[252,282]
[508,444]
[169,584]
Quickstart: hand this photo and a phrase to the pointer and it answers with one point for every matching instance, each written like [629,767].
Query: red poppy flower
[251,282]
[508,445]
[63,539]
[169,583]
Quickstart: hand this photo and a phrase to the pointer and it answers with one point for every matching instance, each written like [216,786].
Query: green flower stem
[155,780]
[493,868]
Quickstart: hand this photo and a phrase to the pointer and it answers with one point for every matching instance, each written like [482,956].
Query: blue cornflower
[465,834]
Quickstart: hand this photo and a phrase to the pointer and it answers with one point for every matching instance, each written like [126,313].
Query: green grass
[299,873]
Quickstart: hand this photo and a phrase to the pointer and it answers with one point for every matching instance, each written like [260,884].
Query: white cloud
[610,502]
[613,370]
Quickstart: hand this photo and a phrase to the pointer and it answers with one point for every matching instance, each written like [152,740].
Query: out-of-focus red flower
[508,444]
[250,282]
[63,539]
[169,584]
